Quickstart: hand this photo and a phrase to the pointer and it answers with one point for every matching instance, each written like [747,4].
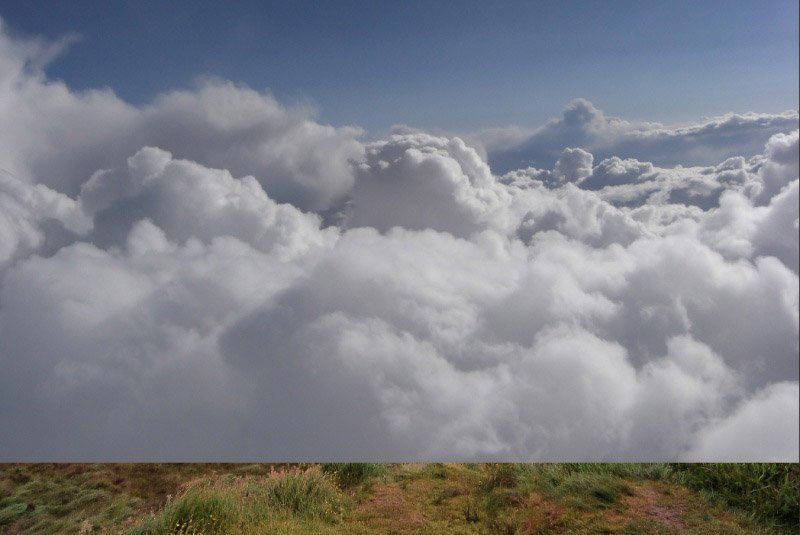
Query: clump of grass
[652,471]
[307,493]
[9,513]
[767,491]
[581,485]
[219,505]
[497,490]
[352,474]
[445,494]
[587,490]
[436,470]
[500,475]
[201,509]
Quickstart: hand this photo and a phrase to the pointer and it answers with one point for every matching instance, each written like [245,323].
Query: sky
[545,232]
[425,63]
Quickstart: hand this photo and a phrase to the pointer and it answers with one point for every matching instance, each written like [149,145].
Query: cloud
[188,201]
[216,276]
[219,123]
[583,125]
[573,165]
[418,181]
[779,166]
[27,211]
[762,427]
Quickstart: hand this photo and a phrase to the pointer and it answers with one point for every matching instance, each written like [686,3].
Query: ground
[368,498]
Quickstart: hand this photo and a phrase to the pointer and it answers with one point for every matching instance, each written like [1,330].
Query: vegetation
[351,474]
[364,498]
[768,491]
[247,503]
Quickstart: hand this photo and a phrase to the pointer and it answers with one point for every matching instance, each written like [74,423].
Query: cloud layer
[706,142]
[216,276]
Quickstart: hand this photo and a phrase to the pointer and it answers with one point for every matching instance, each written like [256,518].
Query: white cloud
[187,200]
[172,285]
[762,428]
[419,181]
[779,166]
[25,209]
[218,124]
[583,125]
[573,165]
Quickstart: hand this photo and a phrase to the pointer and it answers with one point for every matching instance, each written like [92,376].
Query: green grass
[368,498]
[203,510]
[44,499]
[591,490]
[246,503]
[768,491]
[352,474]
[11,512]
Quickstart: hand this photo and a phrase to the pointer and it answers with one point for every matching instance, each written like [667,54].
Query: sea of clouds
[214,275]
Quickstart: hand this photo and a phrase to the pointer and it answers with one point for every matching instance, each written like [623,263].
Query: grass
[352,474]
[367,498]
[203,510]
[768,491]
[247,504]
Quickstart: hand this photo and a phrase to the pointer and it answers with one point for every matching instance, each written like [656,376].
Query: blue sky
[439,65]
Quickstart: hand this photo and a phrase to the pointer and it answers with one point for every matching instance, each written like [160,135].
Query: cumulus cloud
[30,214]
[60,137]
[583,125]
[216,276]
[418,181]
[573,165]
[763,427]
[186,200]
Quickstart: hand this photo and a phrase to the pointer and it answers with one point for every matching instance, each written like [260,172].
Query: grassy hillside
[139,499]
